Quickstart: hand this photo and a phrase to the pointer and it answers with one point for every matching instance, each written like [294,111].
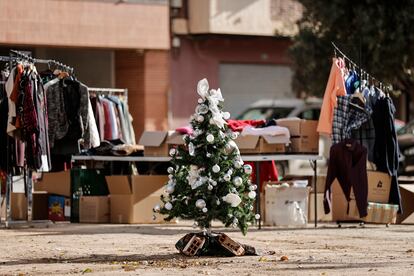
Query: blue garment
[352,82]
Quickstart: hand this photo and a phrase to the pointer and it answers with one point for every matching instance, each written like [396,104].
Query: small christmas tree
[208,180]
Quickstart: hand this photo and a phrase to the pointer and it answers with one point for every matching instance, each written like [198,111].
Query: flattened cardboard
[152,138]
[94,209]
[57,183]
[407,201]
[119,184]
[145,185]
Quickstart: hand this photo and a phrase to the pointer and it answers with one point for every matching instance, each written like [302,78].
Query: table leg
[259,189]
[315,191]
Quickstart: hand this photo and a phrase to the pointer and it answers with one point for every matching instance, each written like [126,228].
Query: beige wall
[244,17]
[71,23]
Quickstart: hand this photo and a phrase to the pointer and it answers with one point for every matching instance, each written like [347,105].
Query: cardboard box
[132,198]
[252,144]
[268,144]
[158,143]
[286,206]
[379,185]
[320,209]
[304,137]
[40,206]
[59,208]
[304,144]
[94,209]
[57,183]
[407,201]
[248,144]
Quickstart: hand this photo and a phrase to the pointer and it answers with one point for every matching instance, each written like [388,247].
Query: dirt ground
[62,249]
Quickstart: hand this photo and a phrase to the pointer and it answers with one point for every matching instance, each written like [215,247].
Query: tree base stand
[212,244]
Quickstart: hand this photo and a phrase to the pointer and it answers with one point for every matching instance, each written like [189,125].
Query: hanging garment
[128,120]
[4,110]
[352,82]
[99,116]
[347,163]
[386,151]
[238,125]
[335,87]
[109,127]
[347,117]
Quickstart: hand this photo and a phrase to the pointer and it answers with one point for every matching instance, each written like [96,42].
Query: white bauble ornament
[170,176]
[200,100]
[201,109]
[252,194]
[156,208]
[226,115]
[173,152]
[230,215]
[237,181]
[200,118]
[210,187]
[210,138]
[238,164]
[235,220]
[218,202]
[213,182]
[227,177]
[200,203]
[170,189]
[168,206]
[248,169]
[252,187]
[251,207]
[208,155]
[257,216]
[191,149]
[234,135]
[216,168]
[212,122]
[205,210]
[230,172]
[170,170]
[233,199]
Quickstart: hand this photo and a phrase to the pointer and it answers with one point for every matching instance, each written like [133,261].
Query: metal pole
[259,189]
[315,190]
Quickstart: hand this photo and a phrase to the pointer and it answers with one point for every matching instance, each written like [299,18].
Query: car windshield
[265,113]
[407,129]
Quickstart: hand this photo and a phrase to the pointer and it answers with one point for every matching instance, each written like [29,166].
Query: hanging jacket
[386,149]
[347,163]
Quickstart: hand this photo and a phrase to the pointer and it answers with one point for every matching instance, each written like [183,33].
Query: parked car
[308,109]
[405,138]
[282,108]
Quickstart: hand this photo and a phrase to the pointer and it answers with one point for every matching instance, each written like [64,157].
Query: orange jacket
[335,87]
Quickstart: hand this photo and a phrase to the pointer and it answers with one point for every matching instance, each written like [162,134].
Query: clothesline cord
[336,48]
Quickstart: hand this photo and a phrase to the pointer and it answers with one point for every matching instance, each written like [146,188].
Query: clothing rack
[28,180]
[110,91]
[386,87]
